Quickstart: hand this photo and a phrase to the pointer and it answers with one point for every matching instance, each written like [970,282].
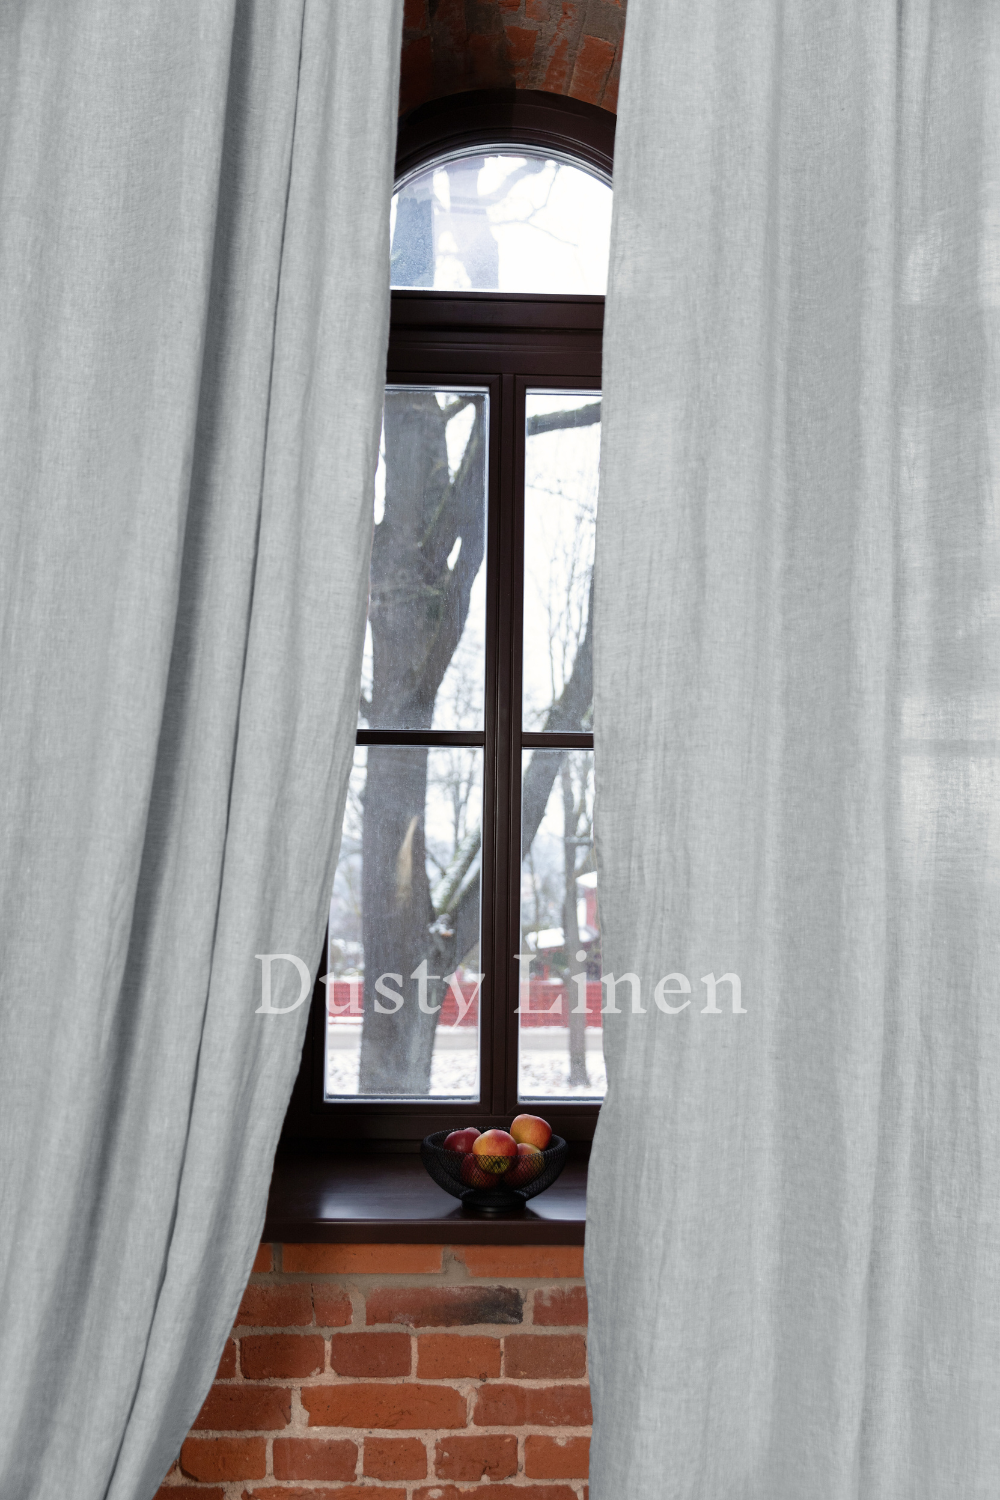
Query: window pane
[501,222]
[405,916]
[562,453]
[559,1051]
[424,663]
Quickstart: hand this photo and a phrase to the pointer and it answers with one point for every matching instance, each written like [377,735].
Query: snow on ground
[544,1065]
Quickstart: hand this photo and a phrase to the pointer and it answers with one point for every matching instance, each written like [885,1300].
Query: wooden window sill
[389,1198]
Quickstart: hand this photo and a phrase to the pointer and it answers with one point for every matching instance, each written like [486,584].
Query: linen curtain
[793,1255]
[194,279]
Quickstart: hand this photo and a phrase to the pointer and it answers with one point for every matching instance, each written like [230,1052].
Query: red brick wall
[398,1372]
[562,46]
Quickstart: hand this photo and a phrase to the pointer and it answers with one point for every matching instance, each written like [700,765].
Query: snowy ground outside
[544,1063]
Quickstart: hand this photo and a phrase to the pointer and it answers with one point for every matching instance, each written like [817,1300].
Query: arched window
[502,221]
[468,834]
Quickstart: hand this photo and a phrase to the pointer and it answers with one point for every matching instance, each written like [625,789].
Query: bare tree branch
[567,714]
[559,421]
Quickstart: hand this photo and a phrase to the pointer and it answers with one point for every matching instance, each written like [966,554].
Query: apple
[473,1175]
[531,1130]
[461,1140]
[529,1165]
[495,1148]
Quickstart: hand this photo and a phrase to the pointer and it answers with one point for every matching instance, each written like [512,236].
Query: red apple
[494,1149]
[460,1140]
[474,1175]
[529,1165]
[532,1130]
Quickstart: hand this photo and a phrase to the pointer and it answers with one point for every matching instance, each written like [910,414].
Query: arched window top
[502,219]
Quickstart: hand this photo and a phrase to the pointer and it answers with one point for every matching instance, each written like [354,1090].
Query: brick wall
[398,1372]
[562,46]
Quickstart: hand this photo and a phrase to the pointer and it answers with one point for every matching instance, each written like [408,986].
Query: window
[464,942]
[502,221]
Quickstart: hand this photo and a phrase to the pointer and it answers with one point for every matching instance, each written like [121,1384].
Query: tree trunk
[418,610]
[397,915]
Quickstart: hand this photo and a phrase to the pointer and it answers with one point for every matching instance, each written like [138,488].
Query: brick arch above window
[568,47]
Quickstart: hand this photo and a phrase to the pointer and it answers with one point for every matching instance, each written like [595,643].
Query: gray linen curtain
[793,1250]
[193,296]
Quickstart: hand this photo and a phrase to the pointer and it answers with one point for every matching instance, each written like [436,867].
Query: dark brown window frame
[507,344]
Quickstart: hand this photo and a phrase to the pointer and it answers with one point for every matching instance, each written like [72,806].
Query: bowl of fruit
[495,1171]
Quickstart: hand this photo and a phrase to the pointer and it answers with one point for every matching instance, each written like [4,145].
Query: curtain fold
[793,1251]
[194,207]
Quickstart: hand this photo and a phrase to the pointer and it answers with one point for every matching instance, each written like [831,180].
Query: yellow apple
[531,1130]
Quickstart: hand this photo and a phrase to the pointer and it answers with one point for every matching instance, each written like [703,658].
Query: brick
[264,1259]
[556,1458]
[563,1306]
[224,1458]
[486,54]
[275,1307]
[281,1356]
[395,1458]
[476,1457]
[523,1260]
[227,1364]
[314,1458]
[245,1408]
[449,24]
[605,19]
[445,1307]
[520,50]
[486,1492]
[591,69]
[559,1406]
[363,1260]
[342,1492]
[456,1356]
[333,1306]
[539,1356]
[188,1492]
[505,1405]
[501,1406]
[388,1406]
[558,69]
[370,1354]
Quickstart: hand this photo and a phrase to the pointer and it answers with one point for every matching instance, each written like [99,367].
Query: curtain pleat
[793,1243]
[194,216]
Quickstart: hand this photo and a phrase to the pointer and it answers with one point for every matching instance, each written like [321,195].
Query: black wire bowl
[446,1169]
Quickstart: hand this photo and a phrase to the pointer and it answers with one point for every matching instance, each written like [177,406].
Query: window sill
[389,1198]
